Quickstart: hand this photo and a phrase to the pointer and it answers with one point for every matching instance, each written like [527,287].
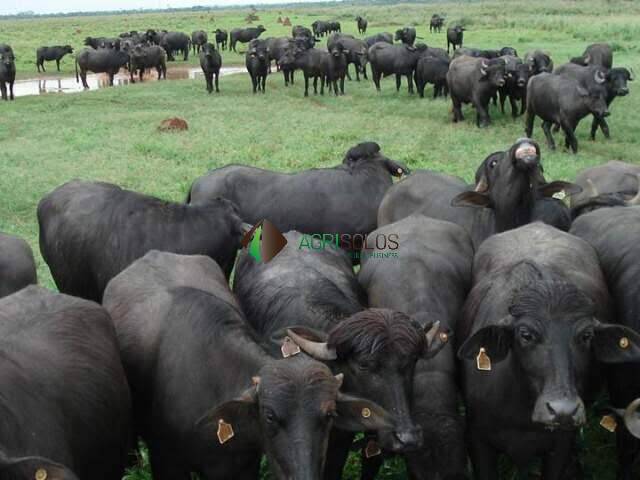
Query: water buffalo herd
[499,296]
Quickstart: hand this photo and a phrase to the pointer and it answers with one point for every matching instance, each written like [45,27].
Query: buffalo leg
[514,106]
[217,74]
[348,74]
[209,79]
[483,457]
[322,80]
[546,128]
[457,109]
[141,75]
[83,76]
[357,72]
[570,137]
[11,97]
[342,86]
[528,123]
[306,85]
[315,85]
[398,81]
[254,83]
[503,97]
[58,63]
[38,66]
[111,75]
[376,78]
[410,82]
[604,126]
[482,115]
[264,81]
[3,90]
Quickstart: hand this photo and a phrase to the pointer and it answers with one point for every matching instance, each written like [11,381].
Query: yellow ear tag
[225,431]
[289,348]
[372,449]
[624,343]
[483,362]
[444,337]
[366,413]
[609,423]
[41,474]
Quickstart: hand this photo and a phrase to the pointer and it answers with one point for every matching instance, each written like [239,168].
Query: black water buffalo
[508,186]
[375,349]
[333,27]
[7,72]
[455,36]
[475,52]
[476,81]
[300,31]
[539,62]
[613,184]
[395,60]
[198,39]
[436,23]
[341,199]
[257,63]
[244,35]
[17,266]
[91,231]
[144,57]
[432,69]
[533,330]
[406,35]
[613,234]
[153,36]
[429,279]
[222,37]
[309,60]
[67,409]
[51,53]
[515,87]
[102,42]
[210,62]
[334,68]
[175,319]
[356,51]
[558,99]
[174,42]
[282,50]
[599,54]
[102,60]
[379,37]
[362,25]
[320,28]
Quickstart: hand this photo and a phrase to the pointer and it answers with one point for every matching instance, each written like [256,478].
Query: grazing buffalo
[533,330]
[356,52]
[475,81]
[210,62]
[599,54]
[558,99]
[432,69]
[257,63]
[66,406]
[343,199]
[320,28]
[362,25]
[613,234]
[515,87]
[244,35]
[334,68]
[144,57]
[198,40]
[379,37]
[17,266]
[208,398]
[222,37]
[406,35]
[174,42]
[436,23]
[428,279]
[395,60]
[455,36]
[51,53]
[7,72]
[539,62]
[508,186]
[91,231]
[102,60]
[375,349]
[613,184]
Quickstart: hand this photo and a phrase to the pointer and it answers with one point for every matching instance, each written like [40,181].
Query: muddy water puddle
[44,84]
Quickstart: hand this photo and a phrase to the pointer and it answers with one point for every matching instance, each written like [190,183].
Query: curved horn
[599,76]
[317,350]
[631,418]
[591,190]
[636,199]
[587,58]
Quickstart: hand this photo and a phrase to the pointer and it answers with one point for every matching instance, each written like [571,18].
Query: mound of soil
[174,124]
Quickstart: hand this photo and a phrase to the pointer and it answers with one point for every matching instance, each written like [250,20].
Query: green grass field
[111,134]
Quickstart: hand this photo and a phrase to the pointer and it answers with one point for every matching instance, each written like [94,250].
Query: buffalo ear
[616,344]
[396,169]
[549,189]
[495,339]
[35,467]
[436,338]
[356,414]
[471,199]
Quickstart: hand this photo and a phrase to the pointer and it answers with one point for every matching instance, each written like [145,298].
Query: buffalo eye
[270,417]
[586,336]
[526,336]
[493,163]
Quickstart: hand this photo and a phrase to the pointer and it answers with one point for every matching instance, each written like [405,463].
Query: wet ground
[49,84]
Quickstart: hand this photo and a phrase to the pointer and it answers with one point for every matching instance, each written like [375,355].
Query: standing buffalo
[515,87]
[244,35]
[406,35]
[436,23]
[17,265]
[432,69]
[385,37]
[144,57]
[208,398]
[599,54]
[355,50]
[562,100]
[533,330]
[428,278]
[395,60]
[475,81]
[362,25]
[198,40]
[210,62]
[334,68]
[221,39]
[539,62]
[310,60]
[91,231]
[66,405]
[51,53]
[257,63]
[455,36]
[102,60]
[7,71]
[341,199]
[102,42]
[173,42]
[300,31]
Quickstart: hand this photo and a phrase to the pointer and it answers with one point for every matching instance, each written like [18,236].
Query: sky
[8,7]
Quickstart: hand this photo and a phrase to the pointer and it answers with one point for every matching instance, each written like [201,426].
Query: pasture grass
[111,134]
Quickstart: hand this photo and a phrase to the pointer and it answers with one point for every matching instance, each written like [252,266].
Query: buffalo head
[28,468]
[367,154]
